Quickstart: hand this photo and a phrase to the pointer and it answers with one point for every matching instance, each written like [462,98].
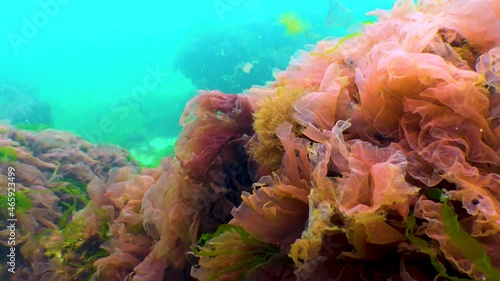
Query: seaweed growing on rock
[25,106]
[374,157]
[52,170]
[418,117]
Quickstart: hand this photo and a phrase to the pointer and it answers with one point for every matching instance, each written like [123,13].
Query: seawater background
[86,59]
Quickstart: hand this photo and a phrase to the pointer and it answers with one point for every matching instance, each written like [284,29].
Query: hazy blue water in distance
[88,55]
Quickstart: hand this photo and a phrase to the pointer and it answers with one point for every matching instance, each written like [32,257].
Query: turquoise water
[87,62]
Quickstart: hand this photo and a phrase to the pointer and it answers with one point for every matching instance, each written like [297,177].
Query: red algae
[383,165]
[388,115]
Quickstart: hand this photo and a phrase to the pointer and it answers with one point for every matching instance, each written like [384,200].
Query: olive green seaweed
[256,257]
[22,203]
[470,247]
[425,248]
[87,249]
[75,240]
[341,41]
[434,193]
[8,153]
[76,193]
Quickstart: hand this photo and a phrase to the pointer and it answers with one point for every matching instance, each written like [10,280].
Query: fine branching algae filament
[79,250]
[352,35]
[273,112]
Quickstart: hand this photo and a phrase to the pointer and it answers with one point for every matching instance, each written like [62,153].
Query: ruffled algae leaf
[425,248]
[436,194]
[470,247]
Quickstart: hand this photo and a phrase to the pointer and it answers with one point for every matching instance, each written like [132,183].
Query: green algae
[250,259]
[426,249]
[472,249]
[8,153]
[78,249]
[22,203]
[468,246]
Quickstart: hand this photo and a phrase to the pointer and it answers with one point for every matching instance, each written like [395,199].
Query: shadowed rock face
[21,105]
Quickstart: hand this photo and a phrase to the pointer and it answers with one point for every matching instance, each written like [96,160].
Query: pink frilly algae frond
[388,116]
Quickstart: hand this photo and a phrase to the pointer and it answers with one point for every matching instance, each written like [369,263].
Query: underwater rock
[21,106]
[51,172]
[234,59]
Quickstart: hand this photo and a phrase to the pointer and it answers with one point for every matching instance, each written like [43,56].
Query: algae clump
[274,111]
